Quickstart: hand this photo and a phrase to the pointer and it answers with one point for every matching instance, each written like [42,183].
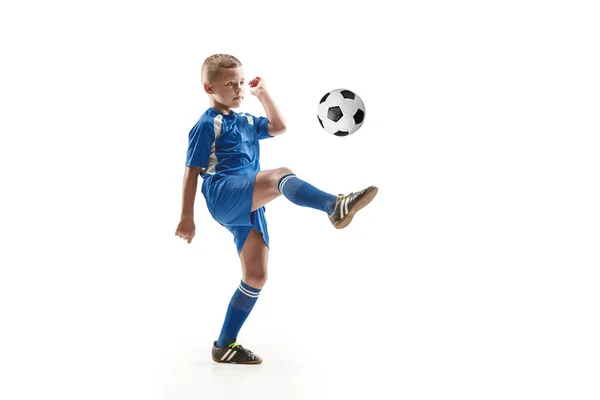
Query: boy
[224,150]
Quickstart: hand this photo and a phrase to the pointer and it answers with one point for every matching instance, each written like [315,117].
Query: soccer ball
[341,112]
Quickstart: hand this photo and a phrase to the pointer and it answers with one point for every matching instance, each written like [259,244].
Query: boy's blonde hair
[211,65]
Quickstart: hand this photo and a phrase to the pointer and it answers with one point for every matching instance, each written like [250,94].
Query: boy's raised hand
[186,229]
[257,85]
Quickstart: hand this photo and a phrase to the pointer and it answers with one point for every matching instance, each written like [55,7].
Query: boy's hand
[186,229]
[257,85]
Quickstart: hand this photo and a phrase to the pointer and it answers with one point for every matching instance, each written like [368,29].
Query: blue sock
[304,194]
[241,304]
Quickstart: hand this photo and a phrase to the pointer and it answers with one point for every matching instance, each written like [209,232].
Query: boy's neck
[220,107]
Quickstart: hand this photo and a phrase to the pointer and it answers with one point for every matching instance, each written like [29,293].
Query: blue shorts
[229,201]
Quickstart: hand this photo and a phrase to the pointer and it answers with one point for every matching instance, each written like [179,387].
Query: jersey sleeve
[261,125]
[200,141]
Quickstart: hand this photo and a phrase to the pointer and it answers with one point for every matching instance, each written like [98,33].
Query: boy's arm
[186,228]
[276,121]
[190,185]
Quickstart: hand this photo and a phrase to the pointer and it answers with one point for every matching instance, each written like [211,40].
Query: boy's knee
[256,279]
[284,171]
[281,172]
[262,279]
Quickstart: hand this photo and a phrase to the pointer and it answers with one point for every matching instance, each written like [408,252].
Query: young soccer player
[224,151]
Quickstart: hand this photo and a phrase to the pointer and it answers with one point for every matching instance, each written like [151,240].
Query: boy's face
[227,88]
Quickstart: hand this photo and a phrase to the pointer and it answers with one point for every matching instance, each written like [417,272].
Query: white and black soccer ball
[341,112]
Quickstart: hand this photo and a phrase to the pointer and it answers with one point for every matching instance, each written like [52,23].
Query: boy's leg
[271,183]
[341,209]
[254,258]
[265,186]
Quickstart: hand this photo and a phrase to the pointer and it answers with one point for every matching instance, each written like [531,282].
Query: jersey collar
[214,110]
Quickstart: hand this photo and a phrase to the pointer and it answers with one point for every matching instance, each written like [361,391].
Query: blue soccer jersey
[226,144]
[227,149]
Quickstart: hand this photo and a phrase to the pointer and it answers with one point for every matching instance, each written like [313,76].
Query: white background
[472,275]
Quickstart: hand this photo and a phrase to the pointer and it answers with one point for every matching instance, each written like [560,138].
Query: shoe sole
[246,363]
[366,199]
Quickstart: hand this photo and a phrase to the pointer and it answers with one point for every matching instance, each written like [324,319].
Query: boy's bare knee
[284,171]
[256,279]
[281,172]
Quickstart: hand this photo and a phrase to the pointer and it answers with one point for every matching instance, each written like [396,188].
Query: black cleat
[234,354]
[348,205]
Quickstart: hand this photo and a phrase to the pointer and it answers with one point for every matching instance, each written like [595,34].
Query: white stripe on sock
[284,181]
[247,292]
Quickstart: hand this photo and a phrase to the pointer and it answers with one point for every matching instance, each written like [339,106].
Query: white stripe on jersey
[248,117]
[212,159]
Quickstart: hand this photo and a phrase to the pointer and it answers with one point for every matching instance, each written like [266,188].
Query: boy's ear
[208,88]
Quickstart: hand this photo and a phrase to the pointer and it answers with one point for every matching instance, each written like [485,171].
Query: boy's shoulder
[205,124]
[209,113]
[207,118]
